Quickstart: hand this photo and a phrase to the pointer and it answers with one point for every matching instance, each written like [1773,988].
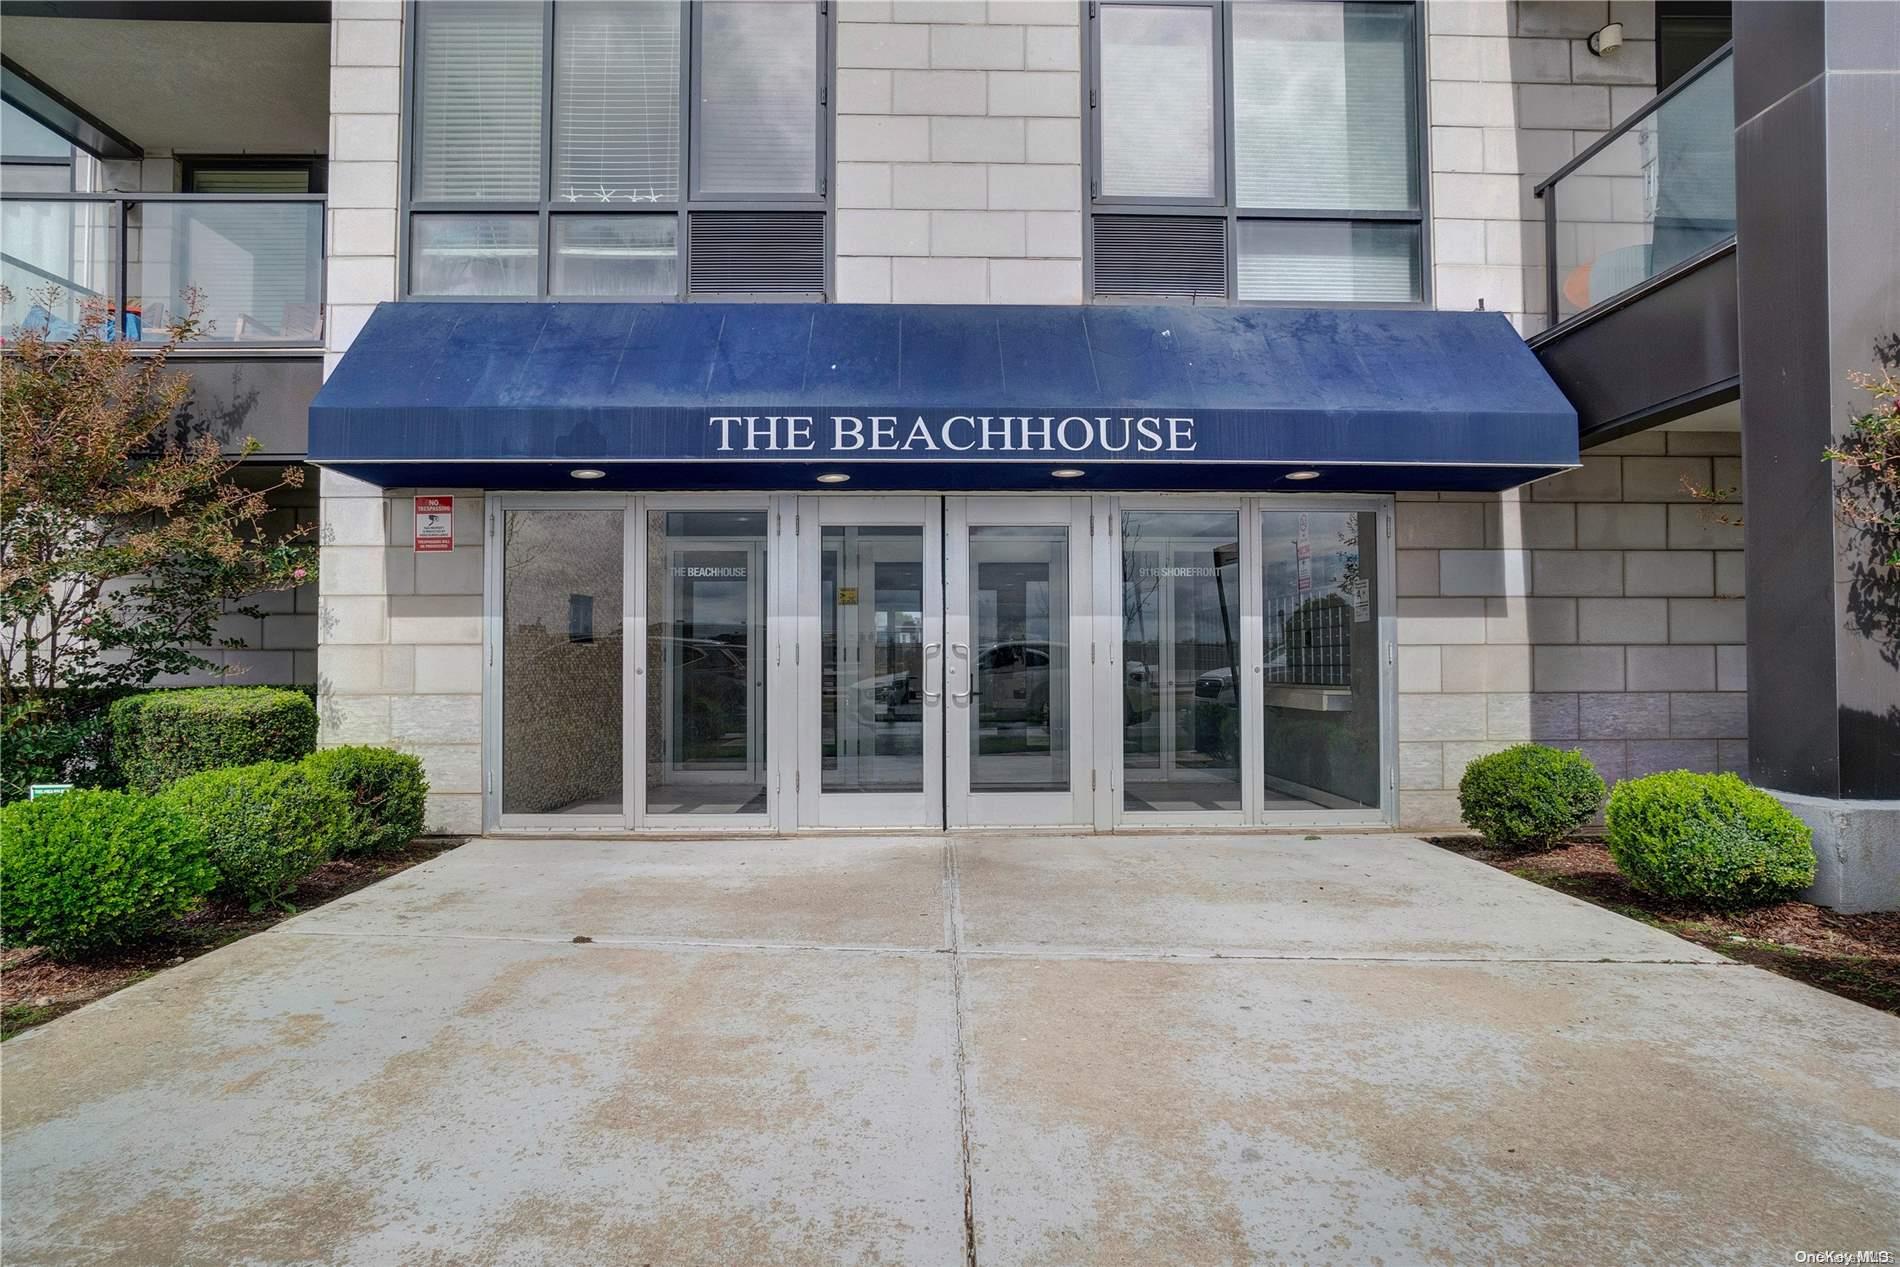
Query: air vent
[757,252]
[1153,257]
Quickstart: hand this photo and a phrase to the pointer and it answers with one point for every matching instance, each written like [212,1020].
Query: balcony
[254,261]
[1639,252]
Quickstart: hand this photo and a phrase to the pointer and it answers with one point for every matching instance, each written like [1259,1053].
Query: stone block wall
[1598,610]
[1515,93]
[959,152]
[400,633]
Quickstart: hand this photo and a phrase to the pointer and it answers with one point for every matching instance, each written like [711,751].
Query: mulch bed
[1854,956]
[34,989]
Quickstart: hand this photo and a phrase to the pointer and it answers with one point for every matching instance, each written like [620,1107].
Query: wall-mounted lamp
[1607,40]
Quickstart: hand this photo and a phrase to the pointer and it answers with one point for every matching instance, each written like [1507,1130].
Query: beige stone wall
[1598,610]
[400,639]
[959,152]
[1515,94]
[365,122]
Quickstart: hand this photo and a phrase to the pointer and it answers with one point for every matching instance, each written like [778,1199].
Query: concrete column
[1817,89]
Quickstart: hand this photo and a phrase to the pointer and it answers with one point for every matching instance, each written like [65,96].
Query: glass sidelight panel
[1321,664]
[871,697]
[562,662]
[1019,621]
[706,662]
[1181,620]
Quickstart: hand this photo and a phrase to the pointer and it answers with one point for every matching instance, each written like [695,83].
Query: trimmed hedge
[162,736]
[386,792]
[86,871]
[1708,838]
[1529,795]
[266,825]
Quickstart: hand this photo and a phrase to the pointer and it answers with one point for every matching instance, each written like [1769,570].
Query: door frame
[641,818]
[495,508]
[1247,655]
[964,808]
[896,810]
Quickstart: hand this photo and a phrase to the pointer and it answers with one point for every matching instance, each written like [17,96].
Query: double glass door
[796,662]
[948,690]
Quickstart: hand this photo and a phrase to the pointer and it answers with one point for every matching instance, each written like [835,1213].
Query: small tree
[118,550]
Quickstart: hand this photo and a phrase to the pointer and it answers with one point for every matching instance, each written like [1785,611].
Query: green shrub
[86,871]
[386,792]
[266,825]
[162,736]
[1529,795]
[1708,838]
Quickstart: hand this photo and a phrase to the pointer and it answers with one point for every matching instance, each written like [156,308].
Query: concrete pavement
[1000,1050]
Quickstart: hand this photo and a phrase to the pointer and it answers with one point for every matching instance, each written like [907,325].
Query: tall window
[623,149]
[1259,151]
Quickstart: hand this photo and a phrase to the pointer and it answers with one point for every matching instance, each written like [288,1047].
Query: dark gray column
[1817,108]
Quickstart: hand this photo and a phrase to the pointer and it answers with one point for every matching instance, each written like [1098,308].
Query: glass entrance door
[1182,642]
[1020,722]
[870,656]
[706,664]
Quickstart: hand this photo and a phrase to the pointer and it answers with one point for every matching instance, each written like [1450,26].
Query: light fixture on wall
[588,473]
[1302,475]
[834,477]
[1068,472]
[1607,40]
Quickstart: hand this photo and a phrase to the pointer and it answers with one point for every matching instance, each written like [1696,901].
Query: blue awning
[680,396]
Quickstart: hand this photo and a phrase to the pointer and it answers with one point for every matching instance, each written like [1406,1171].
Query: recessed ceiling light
[588,473]
[1067,472]
[834,477]
[1302,475]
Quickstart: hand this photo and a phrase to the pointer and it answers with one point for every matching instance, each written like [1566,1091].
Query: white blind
[1328,261]
[478,100]
[758,97]
[1324,115]
[1157,103]
[616,102]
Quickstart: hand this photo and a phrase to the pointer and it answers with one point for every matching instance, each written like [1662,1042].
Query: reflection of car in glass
[1012,684]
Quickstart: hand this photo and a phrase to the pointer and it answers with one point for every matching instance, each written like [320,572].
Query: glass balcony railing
[1655,192]
[255,263]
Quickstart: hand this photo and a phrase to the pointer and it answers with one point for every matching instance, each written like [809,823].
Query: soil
[34,989]
[1854,956]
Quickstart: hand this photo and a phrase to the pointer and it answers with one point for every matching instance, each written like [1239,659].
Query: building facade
[1029,413]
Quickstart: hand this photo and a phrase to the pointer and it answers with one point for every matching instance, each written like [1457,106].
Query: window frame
[1227,207]
[546,208]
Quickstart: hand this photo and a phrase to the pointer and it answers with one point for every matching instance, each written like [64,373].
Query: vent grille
[757,252]
[1179,257]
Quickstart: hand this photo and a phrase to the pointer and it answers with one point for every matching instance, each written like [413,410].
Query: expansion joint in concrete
[953,940]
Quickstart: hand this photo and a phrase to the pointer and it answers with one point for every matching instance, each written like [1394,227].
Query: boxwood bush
[266,825]
[1708,838]
[162,736]
[1529,795]
[386,791]
[85,871]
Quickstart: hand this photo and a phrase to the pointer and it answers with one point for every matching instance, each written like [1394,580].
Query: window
[617,149]
[1263,151]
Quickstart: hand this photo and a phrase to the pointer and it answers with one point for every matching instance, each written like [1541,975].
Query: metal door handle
[930,649]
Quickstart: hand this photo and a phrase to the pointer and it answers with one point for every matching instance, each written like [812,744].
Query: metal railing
[1654,195]
[254,261]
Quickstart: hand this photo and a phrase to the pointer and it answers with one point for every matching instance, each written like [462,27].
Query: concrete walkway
[990,1050]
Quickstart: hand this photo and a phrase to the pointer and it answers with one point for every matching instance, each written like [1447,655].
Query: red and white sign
[435,523]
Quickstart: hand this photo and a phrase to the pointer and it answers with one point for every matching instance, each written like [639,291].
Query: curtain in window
[1157,107]
[478,100]
[758,97]
[1324,115]
[1328,261]
[616,102]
